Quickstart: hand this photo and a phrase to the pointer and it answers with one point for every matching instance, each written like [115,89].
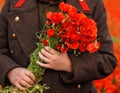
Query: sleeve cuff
[6,65]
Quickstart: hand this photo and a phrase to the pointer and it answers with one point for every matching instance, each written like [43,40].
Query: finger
[27,79]
[25,84]
[31,75]
[51,50]
[43,64]
[43,57]
[46,53]
[20,87]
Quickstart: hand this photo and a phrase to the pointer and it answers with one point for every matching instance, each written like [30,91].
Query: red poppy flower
[44,41]
[50,32]
[91,28]
[79,17]
[83,46]
[73,45]
[63,48]
[75,36]
[84,38]
[71,10]
[63,7]
[55,17]
[49,15]
[93,47]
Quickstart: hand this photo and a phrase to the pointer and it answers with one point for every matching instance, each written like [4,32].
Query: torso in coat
[23,23]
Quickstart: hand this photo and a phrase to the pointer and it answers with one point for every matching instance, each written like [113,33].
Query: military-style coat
[17,40]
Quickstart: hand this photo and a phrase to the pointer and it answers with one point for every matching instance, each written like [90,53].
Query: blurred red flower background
[111,84]
[1,3]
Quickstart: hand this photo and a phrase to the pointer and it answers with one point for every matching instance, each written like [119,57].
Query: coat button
[79,86]
[11,51]
[13,35]
[17,18]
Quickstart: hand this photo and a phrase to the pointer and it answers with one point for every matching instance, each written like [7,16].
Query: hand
[54,60]
[21,78]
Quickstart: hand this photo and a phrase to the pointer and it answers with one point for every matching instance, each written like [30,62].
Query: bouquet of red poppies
[70,30]
[64,31]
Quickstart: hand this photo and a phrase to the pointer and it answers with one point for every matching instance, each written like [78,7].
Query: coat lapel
[24,22]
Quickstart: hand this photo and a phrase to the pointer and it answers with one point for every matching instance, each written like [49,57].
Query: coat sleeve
[88,67]
[6,63]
